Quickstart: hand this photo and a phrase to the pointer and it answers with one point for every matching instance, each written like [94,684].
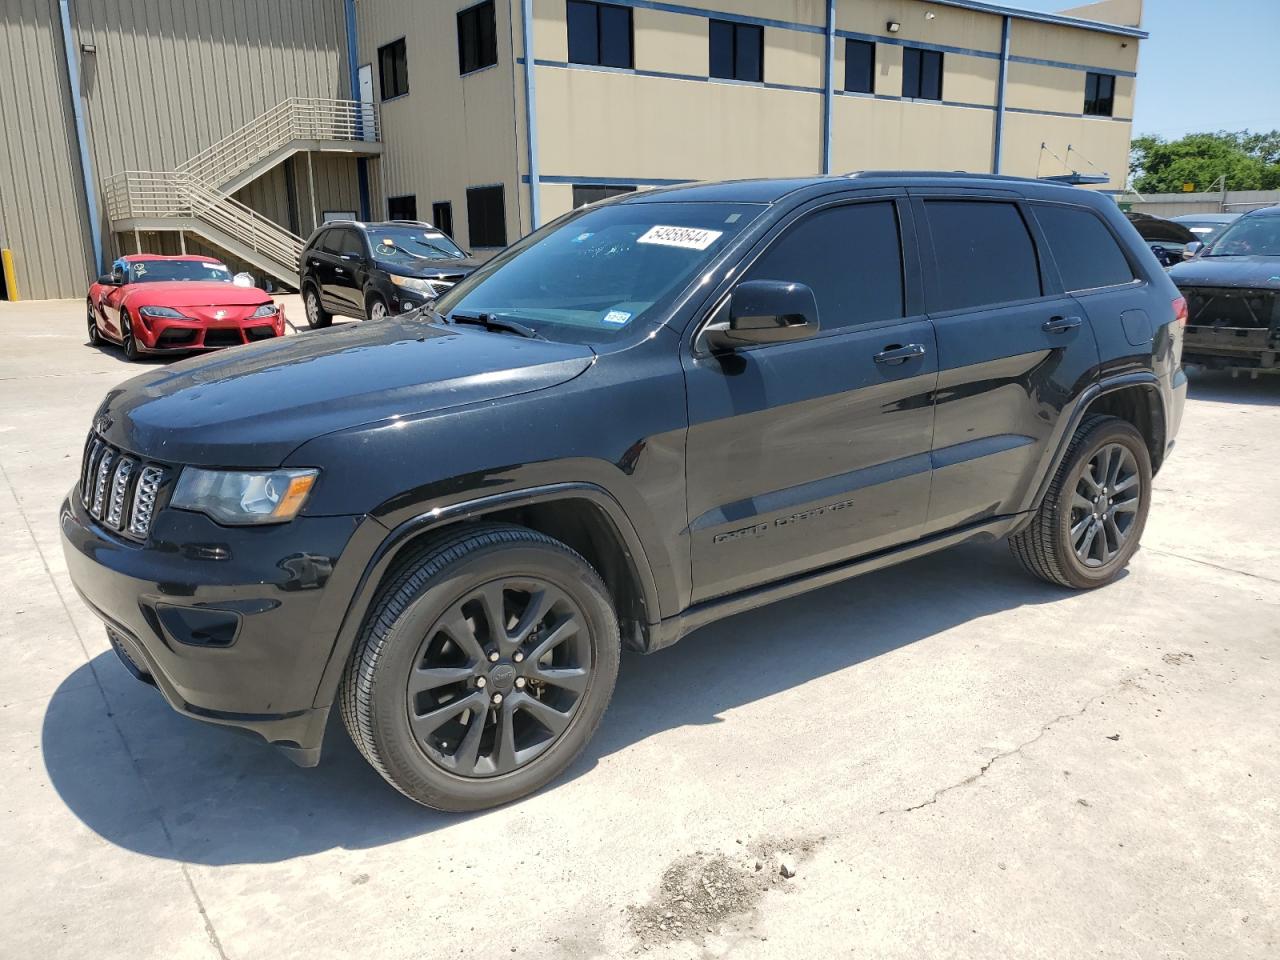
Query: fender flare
[399,536]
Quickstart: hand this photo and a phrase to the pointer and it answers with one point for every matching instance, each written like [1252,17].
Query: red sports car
[153,304]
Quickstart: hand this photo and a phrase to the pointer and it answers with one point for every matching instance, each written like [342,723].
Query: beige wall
[450,132]
[873,134]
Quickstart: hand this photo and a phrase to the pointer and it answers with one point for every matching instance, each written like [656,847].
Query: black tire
[95,337]
[371,304]
[407,621]
[317,315]
[1049,547]
[128,342]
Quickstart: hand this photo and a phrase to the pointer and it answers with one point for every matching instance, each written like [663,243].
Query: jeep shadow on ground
[149,780]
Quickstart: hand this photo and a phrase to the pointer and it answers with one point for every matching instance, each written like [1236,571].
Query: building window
[584,193]
[921,74]
[442,217]
[737,51]
[402,208]
[393,69]
[486,217]
[600,34]
[859,66]
[1099,94]
[477,38]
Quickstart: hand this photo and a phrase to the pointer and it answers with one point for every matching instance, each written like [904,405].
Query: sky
[1209,65]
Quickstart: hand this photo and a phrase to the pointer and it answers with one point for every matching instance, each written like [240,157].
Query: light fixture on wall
[893,26]
[88,48]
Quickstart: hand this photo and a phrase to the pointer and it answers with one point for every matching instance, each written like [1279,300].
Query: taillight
[1180,311]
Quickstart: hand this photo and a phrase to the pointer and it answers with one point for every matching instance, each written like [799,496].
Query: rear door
[345,283]
[808,453]
[1013,350]
[317,261]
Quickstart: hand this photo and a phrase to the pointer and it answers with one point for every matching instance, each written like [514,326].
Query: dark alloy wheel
[95,338]
[317,315]
[375,308]
[486,663]
[1091,518]
[129,342]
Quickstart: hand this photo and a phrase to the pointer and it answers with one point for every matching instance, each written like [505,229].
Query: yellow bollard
[10,275]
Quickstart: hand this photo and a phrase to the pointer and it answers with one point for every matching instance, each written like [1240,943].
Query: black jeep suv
[649,414]
[373,270]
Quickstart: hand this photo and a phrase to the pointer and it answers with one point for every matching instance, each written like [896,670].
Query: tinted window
[393,69]
[1084,249]
[329,241]
[599,33]
[477,38]
[921,73]
[402,208]
[859,66]
[350,243]
[584,193]
[984,254]
[442,217]
[736,51]
[1099,94]
[486,217]
[850,256]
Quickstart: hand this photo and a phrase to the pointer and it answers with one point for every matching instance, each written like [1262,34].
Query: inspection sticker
[690,238]
[617,318]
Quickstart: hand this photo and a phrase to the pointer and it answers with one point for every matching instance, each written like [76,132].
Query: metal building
[235,125]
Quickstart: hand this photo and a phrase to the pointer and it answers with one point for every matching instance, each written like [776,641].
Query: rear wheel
[1093,514]
[317,315]
[95,338]
[485,666]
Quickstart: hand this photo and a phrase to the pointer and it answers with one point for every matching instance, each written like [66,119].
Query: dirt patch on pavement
[700,892]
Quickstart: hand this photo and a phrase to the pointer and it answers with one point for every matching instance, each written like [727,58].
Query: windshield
[1204,230]
[1248,236]
[155,271]
[408,246]
[597,275]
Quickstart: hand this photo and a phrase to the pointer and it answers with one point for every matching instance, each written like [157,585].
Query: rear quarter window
[1086,252]
[984,254]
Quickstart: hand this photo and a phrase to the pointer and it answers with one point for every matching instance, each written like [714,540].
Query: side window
[1085,251]
[120,271]
[984,254]
[851,256]
[350,243]
[328,241]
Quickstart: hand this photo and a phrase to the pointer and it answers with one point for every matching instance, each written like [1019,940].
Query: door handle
[1060,324]
[895,354]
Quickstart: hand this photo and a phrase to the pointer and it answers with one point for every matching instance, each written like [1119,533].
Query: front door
[112,297]
[808,453]
[1013,349]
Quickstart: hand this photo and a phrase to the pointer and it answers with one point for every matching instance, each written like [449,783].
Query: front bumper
[169,335]
[233,625]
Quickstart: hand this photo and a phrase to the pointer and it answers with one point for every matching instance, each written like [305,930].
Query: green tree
[1249,161]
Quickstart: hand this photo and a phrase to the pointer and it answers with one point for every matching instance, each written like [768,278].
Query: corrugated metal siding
[42,215]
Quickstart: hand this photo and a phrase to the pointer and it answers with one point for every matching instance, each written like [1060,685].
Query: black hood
[1158,230]
[251,406]
[430,269]
[1262,273]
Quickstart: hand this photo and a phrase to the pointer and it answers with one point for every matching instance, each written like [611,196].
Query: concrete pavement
[961,761]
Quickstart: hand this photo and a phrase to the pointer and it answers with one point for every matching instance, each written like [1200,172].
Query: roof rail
[940,175]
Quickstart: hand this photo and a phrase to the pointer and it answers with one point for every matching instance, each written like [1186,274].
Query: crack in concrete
[1044,729]
[1209,563]
[209,930]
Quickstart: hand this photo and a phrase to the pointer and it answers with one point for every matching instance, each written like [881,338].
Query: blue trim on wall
[1001,86]
[82,137]
[828,93]
[665,75]
[613,181]
[530,114]
[353,71]
[1070,116]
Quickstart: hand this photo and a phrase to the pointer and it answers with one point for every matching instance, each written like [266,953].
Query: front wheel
[95,337]
[1092,516]
[484,667]
[129,342]
[375,308]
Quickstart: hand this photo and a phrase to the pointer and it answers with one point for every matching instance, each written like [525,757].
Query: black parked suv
[375,270]
[649,414]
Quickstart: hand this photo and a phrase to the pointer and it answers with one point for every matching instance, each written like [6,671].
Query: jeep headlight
[244,497]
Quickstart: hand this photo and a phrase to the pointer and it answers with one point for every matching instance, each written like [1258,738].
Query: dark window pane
[584,37]
[721,35]
[615,36]
[1099,94]
[930,75]
[984,254]
[442,217]
[350,243]
[1085,251]
[749,53]
[393,70]
[850,256]
[486,217]
[402,208]
[477,38]
[584,193]
[910,72]
[859,66]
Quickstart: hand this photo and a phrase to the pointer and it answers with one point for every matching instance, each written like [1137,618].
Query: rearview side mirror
[107,280]
[764,311]
[1192,250]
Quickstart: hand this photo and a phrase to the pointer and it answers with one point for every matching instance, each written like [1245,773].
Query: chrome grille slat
[118,490]
[101,476]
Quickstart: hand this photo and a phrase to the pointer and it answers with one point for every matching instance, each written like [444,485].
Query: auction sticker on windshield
[690,238]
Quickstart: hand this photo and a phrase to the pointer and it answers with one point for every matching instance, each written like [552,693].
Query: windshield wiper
[496,324]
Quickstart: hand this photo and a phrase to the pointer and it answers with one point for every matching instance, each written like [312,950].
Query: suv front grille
[118,490]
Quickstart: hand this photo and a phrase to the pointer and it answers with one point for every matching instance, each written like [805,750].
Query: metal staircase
[196,197]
